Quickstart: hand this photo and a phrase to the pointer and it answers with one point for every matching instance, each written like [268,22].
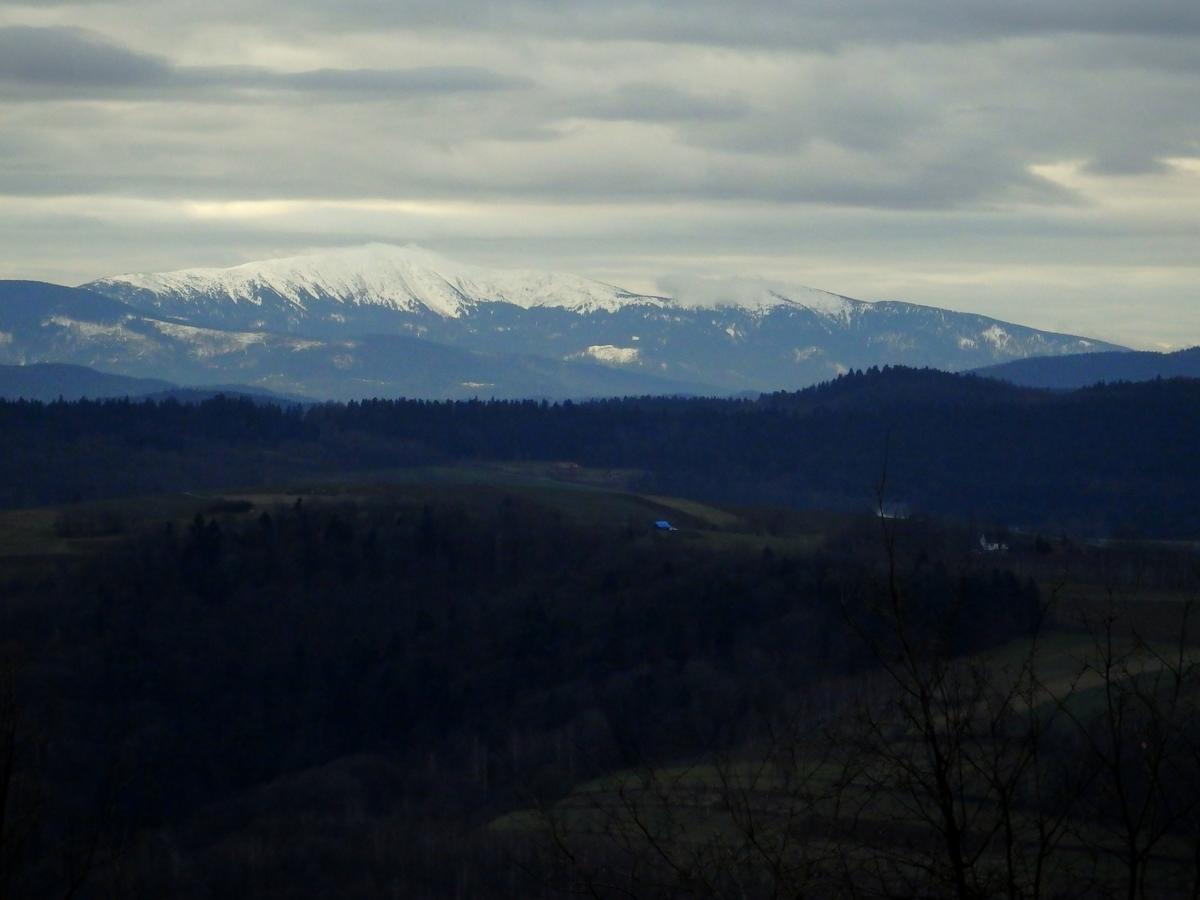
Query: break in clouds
[1038,162]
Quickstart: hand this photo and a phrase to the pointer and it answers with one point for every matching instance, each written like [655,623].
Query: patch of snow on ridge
[755,294]
[607,353]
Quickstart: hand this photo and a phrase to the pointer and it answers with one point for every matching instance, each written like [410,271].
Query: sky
[1035,160]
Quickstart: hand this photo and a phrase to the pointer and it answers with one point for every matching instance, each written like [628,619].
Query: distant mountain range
[51,381]
[43,322]
[1083,369]
[765,339]
[63,381]
[381,320]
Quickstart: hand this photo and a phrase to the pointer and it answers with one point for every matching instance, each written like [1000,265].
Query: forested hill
[1079,370]
[881,390]
[1099,460]
[52,381]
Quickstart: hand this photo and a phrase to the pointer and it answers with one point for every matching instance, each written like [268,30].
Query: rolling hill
[1080,370]
[51,381]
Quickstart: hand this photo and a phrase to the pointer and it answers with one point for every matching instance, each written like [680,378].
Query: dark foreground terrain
[231,667]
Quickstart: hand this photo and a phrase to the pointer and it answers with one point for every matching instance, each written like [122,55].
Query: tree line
[1113,459]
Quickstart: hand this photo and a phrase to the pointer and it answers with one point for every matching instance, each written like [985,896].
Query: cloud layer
[1031,160]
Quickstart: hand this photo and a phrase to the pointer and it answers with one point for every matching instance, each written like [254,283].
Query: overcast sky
[1036,160]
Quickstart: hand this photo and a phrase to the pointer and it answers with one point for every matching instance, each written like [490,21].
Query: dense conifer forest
[1112,459]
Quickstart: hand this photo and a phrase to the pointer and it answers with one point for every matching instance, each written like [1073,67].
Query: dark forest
[416,649]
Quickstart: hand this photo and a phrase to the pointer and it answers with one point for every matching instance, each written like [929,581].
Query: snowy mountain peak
[729,333]
[413,279]
[397,277]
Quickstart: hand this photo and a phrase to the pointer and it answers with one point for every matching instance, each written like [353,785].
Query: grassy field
[89,527]
[589,498]
[583,496]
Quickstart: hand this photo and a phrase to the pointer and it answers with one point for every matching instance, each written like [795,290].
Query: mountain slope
[770,339]
[48,323]
[1081,370]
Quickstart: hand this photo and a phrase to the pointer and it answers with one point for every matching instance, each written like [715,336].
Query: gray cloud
[66,57]
[647,102]
[429,79]
[769,23]
[72,62]
[890,128]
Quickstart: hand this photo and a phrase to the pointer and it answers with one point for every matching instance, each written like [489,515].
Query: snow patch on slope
[93,330]
[997,337]
[205,342]
[612,355]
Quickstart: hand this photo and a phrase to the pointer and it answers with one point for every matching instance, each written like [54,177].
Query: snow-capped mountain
[766,338]
[47,323]
[409,279]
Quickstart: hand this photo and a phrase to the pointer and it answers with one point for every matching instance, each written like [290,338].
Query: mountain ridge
[405,277]
[761,338]
[41,322]
[53,380]
[50,381]
[1075,371]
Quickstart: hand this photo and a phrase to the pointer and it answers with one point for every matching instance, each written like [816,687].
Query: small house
[890,509]
[989,547]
